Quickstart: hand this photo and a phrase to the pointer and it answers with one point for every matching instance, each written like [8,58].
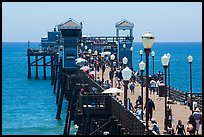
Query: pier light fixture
[126,73]
[89,51]
[125,60]
[169,55]
[153,54]
[131,50]
[147,41]
[124,46]
[165,62]
[112,57]
[82,44]
[190,60]
[141,52]
[142,67]
[85,47]
[96,52]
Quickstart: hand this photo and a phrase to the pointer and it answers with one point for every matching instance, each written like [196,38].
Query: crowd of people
[194,122]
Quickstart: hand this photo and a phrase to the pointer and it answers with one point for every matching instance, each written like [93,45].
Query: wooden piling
[29,66]
[36,64]
[69,116]
[55,77]
[52,75]
[44,66]
[60,99]
[59,81]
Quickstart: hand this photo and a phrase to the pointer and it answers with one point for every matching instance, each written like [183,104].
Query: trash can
[161,90]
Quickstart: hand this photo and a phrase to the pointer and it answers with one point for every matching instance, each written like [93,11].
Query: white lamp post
[112,57]
[153,54]
[141,55]
[147,41]
[168,55]
[190,60]
[126,73]
[85,47]
[95,53]
[82,44]
[89,51]
[142,67]
[131,50]
[124,46]
[125,60]
[165,62]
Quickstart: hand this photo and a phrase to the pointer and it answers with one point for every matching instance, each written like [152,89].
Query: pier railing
[102,105]
[182,97]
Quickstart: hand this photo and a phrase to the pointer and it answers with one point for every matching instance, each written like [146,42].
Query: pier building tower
[71,32]
[50,40]
[122,52]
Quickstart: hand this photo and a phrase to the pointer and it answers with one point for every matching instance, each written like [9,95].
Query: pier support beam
[55,77]
[29,66]
[69,116]
[59,108]
[36,64]
[59,81]
[52,72]
[44,66]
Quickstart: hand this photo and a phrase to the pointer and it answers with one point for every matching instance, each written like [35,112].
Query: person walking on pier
[197,116]
[132,87]
[138,102]
[191,125]
[111,75]
[180,130]
[151,107]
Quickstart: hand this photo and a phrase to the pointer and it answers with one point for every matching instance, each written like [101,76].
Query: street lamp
[142,67]
[147,41]
[190,60]
[102,56]
[85,47]
[168,55]
[89,51]
[112,57]
[131,50]
[126,73]
[124,46]
[153,54]
[141,55]
[125,60]
[95,53]
[165,62]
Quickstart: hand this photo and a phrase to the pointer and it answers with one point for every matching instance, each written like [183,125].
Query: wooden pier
[39,55]
[93,112]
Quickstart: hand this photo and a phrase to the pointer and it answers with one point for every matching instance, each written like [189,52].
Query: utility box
[161,90]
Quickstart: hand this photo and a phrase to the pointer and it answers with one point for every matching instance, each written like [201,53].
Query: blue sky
[167,21]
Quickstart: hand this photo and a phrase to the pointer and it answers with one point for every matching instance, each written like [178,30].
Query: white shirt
[153,83]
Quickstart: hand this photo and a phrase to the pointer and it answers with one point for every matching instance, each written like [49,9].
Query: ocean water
[179,66]
[28,106]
